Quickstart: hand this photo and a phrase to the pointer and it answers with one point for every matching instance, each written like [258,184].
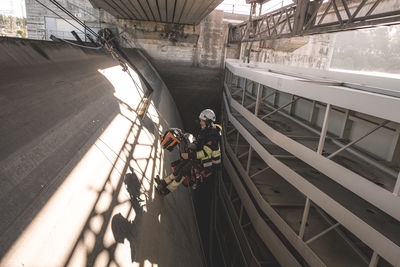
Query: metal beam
[324,130]
[284,228]
[396,190]
[313,114]
[322,233]
[244,154]
[346,125]
[361,186]
[304,20]
[358,227]
[342,235]
[300,16]
[274,244]
[390,107]
[304,218]
[374,260]
[280,108]
[259,93]
[249,160]
[262,99]
[358,139]
[341,96]
[259,172]
[354,152]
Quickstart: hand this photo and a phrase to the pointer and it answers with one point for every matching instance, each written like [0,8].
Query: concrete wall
[74,153]
[200,46]
[308,51]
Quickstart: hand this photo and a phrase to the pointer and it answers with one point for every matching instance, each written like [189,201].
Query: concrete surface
[201,46]
[193,90]
[75,154]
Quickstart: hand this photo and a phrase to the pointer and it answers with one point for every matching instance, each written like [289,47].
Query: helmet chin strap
[209,123]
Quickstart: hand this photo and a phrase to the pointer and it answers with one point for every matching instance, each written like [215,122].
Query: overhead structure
[167,11]
[306,17]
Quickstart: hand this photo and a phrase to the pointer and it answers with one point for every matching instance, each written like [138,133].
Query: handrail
[304,250]
[349,98]
[369,235]
[222,187]
[376,195]
[274,244]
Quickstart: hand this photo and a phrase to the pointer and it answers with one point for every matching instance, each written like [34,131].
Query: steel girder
[306,18]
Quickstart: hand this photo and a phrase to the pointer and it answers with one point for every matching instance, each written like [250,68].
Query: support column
[244,91]
[243,99]
[374,260]
[305,218]
[396,190]
[300,15]
[324,130]
[394,153]
[293,106]
[259,94]
[313,114]
[249,160]
[346,125]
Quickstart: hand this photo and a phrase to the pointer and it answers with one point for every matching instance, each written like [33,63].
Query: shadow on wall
[136,173]
[64,183]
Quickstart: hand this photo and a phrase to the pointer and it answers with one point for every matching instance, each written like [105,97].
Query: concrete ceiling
[171,11]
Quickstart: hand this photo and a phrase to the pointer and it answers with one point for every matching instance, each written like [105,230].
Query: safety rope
[83,46]
[106,42]
[59,16]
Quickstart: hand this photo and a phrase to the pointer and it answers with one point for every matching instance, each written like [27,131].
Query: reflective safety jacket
[208,146]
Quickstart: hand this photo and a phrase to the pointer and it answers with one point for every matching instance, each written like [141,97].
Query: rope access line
[74,18]
[106,43]
[83,46]
[59,16]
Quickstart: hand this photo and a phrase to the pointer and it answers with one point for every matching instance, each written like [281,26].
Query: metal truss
[316,17]
[317,200]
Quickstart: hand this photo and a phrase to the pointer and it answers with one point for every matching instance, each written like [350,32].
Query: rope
[74,18]
[83,46]
[59,16]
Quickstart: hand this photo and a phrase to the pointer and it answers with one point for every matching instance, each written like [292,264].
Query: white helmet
[207,114]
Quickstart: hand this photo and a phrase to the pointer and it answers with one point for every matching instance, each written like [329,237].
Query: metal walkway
[333,197]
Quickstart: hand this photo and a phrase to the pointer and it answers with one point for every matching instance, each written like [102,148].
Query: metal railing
[378,196]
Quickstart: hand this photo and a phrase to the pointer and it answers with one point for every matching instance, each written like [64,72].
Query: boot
[163,191]
[157,180]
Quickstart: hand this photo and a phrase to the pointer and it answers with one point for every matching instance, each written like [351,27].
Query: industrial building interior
[308,96]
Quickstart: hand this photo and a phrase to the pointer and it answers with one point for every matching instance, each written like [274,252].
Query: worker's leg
[174,184]
[163,184]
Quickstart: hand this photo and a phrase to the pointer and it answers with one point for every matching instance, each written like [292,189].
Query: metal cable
[59,16]
[66,11]
[83,46]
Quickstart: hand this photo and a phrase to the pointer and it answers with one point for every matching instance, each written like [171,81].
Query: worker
[206,149]
[208,141]
[181,168]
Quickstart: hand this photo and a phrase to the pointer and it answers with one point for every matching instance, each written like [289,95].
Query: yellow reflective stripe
[207,164]
[200,154]
[207,149]
[216,153]
[207,155]
[216,161]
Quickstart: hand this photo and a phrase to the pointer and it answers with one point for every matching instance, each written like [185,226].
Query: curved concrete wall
[70,137]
